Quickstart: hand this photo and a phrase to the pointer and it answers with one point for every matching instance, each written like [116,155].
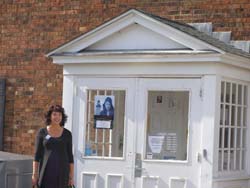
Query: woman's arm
[71,160]
[35,172]
[71,171]
[35,168]
[37,157]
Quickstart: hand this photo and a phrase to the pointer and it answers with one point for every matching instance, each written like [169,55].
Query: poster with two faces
[104,111]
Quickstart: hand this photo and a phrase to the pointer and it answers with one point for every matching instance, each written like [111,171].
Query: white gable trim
[174,34]
[101,29]
[135,59]
[103,58]
[98,35]
[235,60]
[125,20]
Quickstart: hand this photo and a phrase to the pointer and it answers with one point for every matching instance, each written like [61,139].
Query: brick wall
[30,28]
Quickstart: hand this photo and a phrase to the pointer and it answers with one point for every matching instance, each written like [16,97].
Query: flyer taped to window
[104,111]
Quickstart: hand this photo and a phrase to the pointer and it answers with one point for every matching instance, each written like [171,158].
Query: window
[167,125]
[104,135]
[233,126]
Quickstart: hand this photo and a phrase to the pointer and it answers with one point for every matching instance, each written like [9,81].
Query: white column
[248,133]
[210,109]
[68,99]
[68,104]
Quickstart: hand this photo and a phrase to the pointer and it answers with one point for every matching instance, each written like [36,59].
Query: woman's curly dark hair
[55,108]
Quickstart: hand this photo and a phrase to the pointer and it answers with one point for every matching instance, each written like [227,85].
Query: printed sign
[155,143]
[104,111]
[100,124]
[172,142]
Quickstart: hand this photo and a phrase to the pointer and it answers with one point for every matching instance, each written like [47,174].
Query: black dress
[54,156]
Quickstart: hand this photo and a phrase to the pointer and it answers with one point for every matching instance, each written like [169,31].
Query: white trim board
[127,19]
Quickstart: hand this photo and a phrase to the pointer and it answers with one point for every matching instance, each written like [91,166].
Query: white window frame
[188,127]
[228,171]
[84,156]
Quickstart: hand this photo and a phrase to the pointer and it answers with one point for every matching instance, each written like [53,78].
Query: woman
[53,165]
[108,109]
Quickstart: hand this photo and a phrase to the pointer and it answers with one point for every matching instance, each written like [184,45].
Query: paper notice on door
[103,124]
[149,155]
[155,143]
[172,142]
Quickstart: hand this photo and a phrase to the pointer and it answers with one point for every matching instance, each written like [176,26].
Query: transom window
[105,123]
[233,126]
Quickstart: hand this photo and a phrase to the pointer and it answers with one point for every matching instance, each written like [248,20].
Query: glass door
[168,133]
[105,109]
[138,133]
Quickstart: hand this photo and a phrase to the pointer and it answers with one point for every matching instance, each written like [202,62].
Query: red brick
[30,29]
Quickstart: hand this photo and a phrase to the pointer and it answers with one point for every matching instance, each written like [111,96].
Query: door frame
[141,120]
[137,94]
[127,160]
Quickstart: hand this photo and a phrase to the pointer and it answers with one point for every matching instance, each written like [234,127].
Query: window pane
[238,160]
[244,117]
[231,165]
[228,86]
[244,132]
[222,114]
[232,138]
[243,160]
[220,160]
[222,91]
[233,115]
[227,115]
[239,116]
[239,94]
[105,123]
[226,137]
[234,94]
[238,137]
[225,160]
[167,126]
[221,137]
[245,95]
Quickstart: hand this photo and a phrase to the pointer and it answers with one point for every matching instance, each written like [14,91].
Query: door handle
[138,165]
[139,168]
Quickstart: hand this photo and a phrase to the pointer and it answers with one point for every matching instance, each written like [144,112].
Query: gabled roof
[181,34]
[200,35]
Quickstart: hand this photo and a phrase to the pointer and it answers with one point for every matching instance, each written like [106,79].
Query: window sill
[232,177]
[166,161]
[102,158]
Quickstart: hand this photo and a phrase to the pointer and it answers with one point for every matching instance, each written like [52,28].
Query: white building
[180,97]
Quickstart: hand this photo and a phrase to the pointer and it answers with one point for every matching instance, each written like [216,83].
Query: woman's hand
[35,173]
[34,179]
[71,182]
[71,174]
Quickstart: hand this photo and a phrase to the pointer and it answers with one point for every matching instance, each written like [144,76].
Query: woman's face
[107,105]
[56,118]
